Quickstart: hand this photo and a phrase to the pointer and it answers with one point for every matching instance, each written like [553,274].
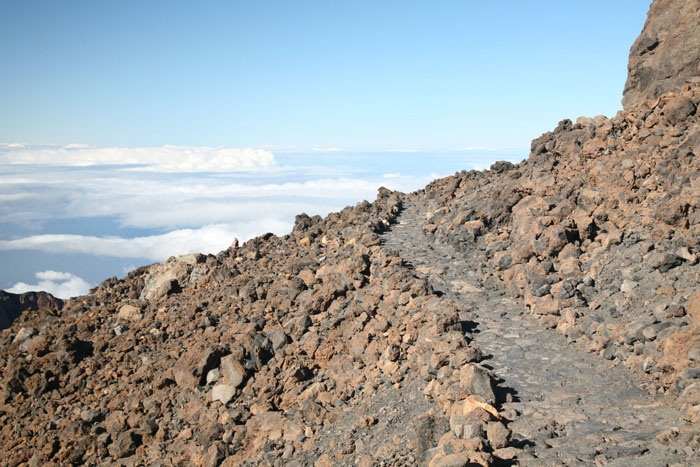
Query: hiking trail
[566,406]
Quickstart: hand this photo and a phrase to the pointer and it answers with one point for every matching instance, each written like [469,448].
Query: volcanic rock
[326,346]
[665,56]
[12,305]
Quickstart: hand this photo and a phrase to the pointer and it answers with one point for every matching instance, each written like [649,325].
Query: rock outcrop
[666,54]
[13,305]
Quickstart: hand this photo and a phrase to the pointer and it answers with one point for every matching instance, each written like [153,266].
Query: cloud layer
[154,203]
[31,196]
[206,239]
[59,284]
[161,159]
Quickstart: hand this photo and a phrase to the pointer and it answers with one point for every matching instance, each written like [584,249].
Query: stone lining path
[567,407]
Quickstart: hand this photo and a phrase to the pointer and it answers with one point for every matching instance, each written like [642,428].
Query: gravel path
[395,426]
[567,407]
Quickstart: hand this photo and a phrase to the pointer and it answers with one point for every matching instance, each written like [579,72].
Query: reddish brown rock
[12,305]
[693,308]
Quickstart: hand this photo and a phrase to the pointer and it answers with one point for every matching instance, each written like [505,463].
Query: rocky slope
[598,232]
[410,330]
[244,357]
[563,407]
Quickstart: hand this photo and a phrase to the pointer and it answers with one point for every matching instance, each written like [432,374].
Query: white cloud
[82,200]
[277,147]
[147,200]
[4,198]
[162,158]
[163,201]
[50,275]
[326,149]
[475,148]
[58,284]
[217,210]
[206,239]
[16,180]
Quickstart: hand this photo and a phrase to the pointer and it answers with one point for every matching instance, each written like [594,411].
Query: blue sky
[358,75]
[130,131]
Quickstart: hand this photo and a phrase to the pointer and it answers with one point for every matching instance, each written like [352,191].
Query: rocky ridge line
[598,233]
[13,305]
[249,356]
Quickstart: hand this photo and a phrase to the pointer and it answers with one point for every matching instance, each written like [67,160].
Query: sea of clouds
[146,204]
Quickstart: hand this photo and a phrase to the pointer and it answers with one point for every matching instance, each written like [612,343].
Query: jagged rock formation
[666,54]
[355,341]
[13,305]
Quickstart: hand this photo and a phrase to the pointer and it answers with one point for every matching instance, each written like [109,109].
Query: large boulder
[666,54]
[169,277]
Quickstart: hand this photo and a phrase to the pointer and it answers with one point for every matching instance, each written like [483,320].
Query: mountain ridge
[362,338]
[13,305]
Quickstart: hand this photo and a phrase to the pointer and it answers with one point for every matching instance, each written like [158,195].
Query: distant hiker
[234,245]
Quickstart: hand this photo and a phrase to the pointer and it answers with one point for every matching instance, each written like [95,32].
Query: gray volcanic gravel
[567,407]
